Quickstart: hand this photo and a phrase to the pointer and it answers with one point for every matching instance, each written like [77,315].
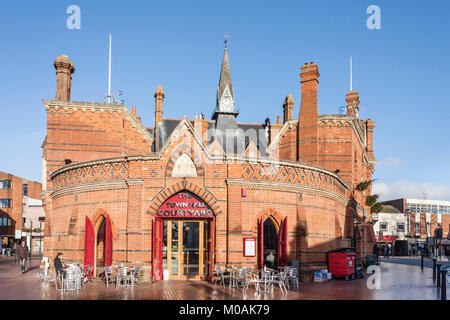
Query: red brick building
[183,196]
[424,216]
[12,190]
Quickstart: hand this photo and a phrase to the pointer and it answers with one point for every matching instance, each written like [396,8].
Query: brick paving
[398,282]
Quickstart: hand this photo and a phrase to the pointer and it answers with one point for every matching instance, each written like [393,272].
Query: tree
[371,200]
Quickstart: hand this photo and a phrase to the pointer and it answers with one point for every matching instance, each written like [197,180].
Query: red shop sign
[184,205]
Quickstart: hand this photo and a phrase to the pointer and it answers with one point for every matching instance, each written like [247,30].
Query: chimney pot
[64,70]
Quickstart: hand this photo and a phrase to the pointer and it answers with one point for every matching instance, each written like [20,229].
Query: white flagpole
[351,74]
[109,77]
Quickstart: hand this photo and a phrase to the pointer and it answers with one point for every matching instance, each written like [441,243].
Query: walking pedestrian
[22,253]
[386,251]
[375,249]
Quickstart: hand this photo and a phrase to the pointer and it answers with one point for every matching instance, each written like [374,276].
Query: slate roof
[247,132]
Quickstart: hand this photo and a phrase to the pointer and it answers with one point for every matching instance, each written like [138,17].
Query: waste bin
[371,259]
[342,263]
[8,252]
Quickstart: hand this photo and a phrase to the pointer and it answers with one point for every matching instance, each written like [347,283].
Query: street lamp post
[31,238]
[40,240]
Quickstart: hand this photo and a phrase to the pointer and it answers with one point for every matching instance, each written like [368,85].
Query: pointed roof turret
[225,94]
[159,91]
[225,76]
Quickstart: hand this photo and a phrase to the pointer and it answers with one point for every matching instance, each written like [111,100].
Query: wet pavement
[414,261]
[398,282]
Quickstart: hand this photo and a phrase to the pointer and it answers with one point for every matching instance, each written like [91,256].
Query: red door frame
[157,250]
[89,242]
[282,243]
[108,242]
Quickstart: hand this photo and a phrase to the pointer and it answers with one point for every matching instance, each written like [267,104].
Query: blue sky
[401,71]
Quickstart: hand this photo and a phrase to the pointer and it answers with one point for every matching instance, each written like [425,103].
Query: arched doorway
[273,251]
[183,238]
[98,243]
[270,245]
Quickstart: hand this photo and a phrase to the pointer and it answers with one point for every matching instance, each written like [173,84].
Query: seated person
[59,264]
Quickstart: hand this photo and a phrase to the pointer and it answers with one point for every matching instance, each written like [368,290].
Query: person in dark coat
[22,253]
[59,264]
[375,249]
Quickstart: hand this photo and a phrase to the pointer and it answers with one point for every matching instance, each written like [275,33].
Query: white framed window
[418,228]
[383,226]
[400,227]
[5,203]
[5,184]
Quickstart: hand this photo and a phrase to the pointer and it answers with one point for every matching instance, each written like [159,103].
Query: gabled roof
[167,126]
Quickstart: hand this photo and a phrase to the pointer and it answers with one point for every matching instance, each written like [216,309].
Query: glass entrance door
[191,246]
[186,251]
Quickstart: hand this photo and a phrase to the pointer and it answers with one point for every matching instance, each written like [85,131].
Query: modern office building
[423,216]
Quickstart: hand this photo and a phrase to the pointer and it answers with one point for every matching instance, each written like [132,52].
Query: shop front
[183,238]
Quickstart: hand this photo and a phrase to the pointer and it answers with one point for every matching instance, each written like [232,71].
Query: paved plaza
[399,281]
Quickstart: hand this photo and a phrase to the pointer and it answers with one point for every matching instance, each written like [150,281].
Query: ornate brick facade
[101,163]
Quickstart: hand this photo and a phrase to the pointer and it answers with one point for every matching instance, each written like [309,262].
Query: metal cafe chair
[292,276]
[108,275]
[249,279]
[122,279]
[135,275]
[265,276]
[279,279]
[220,274]
[51,277]
[239,276]
[216,274]
[87,272]
[71,281]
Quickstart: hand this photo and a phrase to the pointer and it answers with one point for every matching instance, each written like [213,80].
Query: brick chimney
[159,99]
[274,129]
[370,126]
[288,109]
[308,132]
[353,103]
[134,113]
[64,69]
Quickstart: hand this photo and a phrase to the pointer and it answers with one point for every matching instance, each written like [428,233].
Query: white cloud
[390,162]
[408,189]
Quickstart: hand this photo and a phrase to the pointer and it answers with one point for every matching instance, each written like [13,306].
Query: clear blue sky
[401,71]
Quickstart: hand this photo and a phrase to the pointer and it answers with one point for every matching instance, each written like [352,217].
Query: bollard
[444,285]
[434,269]
[438,271]
[421,262]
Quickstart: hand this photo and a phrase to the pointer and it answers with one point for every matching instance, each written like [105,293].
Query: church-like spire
[225,76]
[225,95]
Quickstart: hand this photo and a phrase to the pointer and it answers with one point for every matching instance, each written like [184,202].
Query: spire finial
[226,36]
